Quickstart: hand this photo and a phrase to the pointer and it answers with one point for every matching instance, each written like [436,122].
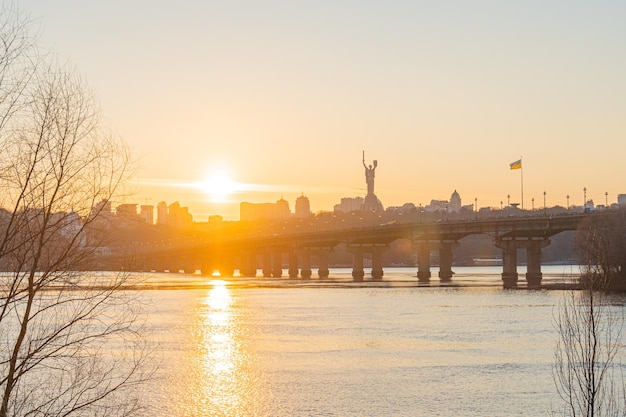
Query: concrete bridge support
[445,260]
[206,266]
[267,264]
[357,264]
[322,259]
[159,264]
[189,264]
[423,260]
[377,263]
[293,264]
[423,249]
[277,265]
[533,248]
[247,264]
[509,262]
[174,264]
[305,271]
[533,261]
[226,267]
[376,251]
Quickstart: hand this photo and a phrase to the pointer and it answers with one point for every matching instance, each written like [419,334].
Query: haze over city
[224,102]
[288,209]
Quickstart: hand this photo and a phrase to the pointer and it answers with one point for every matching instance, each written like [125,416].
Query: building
[455,203]
[102,209]
[127,211]
[162,213]
[303,207]
[264,211]
[72,227]
[179,217]
[215,222]
[621,200]
[437,205]
[174,215]
[147,213]
[403,209]
[348,205]
[281,210]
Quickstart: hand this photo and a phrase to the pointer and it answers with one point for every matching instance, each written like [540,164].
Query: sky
[229,101]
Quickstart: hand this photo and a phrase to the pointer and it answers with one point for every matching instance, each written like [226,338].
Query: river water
[280,347]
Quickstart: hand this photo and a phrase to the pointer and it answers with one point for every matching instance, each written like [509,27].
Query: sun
[218,186]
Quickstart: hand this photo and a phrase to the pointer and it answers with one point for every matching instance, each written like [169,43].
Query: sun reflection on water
[222,385]
[219,297]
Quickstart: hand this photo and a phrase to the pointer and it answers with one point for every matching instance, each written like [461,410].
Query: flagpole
[521,172]
[518,165]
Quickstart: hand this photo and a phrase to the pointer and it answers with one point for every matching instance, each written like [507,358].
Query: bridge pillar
[248,264]
[322,259]
[206,265]
[159,264]
[445,260]
[533,261]
[189,265]
[357,264]
[174,264]
[277,268]
[267,263]
[423,261]
[293,264]
[305,257]
[509,262]
[226,271]
[226,268]
[377,263]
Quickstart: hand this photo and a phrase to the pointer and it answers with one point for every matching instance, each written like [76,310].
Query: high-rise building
[147,213]
[179,217]
[282,210]
[303,207]
[162,213]
[621,200]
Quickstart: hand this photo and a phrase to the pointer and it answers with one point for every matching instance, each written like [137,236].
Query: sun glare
[218,186]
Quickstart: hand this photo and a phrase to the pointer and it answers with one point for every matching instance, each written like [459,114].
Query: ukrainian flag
[516,165]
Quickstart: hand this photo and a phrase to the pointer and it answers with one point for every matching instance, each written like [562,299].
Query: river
[280,347]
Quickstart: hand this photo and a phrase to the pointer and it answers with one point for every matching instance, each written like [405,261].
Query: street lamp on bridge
[544,203]
[568,202]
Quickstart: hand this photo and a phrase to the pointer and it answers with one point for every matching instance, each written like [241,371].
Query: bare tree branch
[61,331]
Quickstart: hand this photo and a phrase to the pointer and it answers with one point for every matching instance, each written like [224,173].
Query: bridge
[227,253]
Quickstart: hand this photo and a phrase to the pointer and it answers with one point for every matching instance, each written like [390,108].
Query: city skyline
[282,209]
[223,103]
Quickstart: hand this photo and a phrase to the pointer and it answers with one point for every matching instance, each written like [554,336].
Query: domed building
[455,202]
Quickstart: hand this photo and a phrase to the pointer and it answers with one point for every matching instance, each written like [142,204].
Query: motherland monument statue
[371,202]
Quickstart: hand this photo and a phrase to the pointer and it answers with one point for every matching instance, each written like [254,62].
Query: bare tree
[601,243]
[69,341]
[586,372]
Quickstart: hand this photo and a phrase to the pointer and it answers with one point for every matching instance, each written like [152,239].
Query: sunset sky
[279,98]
